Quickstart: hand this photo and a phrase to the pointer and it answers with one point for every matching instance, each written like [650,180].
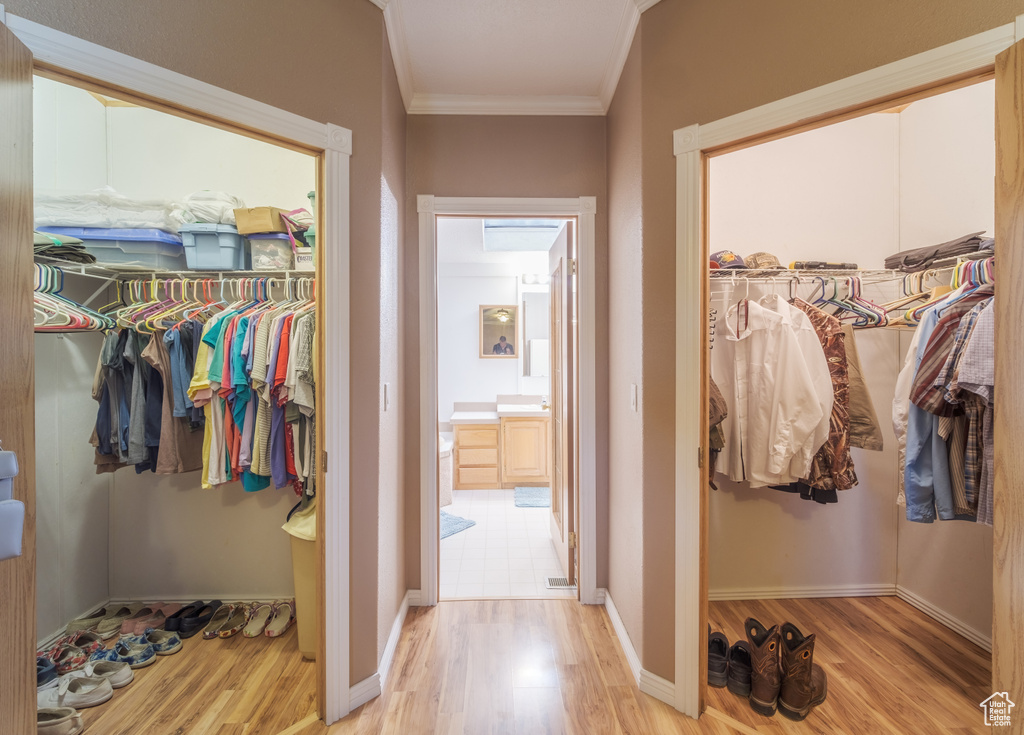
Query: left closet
[197,514]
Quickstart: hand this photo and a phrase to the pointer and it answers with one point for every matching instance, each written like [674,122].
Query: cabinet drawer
[485,457]
[482,476]
[479,437]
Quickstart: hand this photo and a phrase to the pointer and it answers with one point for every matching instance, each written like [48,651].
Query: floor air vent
[559,583]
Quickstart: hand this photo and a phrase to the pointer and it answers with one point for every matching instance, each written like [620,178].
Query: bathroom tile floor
[508,553]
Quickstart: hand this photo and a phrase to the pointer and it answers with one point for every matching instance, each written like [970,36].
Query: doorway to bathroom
[506,304]
[499,441]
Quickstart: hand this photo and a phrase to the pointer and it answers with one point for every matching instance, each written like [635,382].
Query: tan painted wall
[625,360]
[500,157]
[391,541]
[702,60]
[333,73]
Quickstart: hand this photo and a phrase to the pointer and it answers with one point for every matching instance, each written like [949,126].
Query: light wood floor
[233,686]
[552,666]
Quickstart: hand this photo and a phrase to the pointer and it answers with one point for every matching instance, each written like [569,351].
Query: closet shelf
[125,272]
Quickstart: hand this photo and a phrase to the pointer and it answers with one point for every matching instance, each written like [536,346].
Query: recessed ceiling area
[502,57]
[462,240]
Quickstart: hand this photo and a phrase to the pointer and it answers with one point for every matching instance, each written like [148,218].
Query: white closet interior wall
[125,536]
[855,191]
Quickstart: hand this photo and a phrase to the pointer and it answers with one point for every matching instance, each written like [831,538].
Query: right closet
[855,192]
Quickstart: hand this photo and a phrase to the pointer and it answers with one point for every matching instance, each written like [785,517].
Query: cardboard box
[259,219]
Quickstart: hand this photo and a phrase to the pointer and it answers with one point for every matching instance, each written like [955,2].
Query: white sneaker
[118,673]
[76,692]
[58,721]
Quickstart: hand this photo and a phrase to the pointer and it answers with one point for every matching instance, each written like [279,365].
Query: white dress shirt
[774,408]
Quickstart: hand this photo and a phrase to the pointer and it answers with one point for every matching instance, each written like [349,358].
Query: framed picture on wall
[499,327]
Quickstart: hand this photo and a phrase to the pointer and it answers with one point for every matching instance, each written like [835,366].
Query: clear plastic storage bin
[213,247]
[153,249]
[270,251]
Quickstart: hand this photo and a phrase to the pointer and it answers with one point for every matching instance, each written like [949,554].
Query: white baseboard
[415,598]
[647,682]
[787,593]
[373,685]
[389,649]
[955,624]
[364,691]
[49,640]
[600,595]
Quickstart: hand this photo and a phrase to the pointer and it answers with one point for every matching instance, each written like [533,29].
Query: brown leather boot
[766,676]
[804,684]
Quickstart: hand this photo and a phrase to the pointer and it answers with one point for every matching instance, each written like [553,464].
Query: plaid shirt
[924,394]
[969,444]
[977,375]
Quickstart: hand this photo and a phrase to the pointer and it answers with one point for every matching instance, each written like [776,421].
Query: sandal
[237,620]
[218,620]
[282,619]
[258,619]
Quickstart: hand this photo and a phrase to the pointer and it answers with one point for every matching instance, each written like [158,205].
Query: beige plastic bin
[302,528]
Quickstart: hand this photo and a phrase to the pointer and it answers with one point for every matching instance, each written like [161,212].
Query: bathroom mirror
[499,336]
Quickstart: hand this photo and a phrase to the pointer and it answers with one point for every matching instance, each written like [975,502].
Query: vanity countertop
[475,417]
[498,412]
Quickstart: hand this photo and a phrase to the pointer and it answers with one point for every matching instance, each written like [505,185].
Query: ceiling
[510,57]
[460,240]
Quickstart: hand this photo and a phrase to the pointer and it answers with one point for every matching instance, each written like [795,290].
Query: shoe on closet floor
[220,617]
[111,625]
[766,673]
[282,619]
[739,669]
[151,616]
[78,692]
[135,655]
[194,623]
[258,619]
[804,684]
[58,721]
[236,620]
[88,641]
[67,657]
[173,622]
[164,642]
[88,622]
[118,673]
[718,662]
[46,673]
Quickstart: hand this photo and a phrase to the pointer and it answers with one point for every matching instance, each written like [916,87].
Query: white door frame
[691,145]
[585,210]
[66,52]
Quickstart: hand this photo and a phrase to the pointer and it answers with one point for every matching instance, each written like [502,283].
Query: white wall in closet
[829,194]
[947,170]
[72,501]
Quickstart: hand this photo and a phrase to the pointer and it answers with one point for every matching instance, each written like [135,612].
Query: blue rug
[533,497]
[451,525]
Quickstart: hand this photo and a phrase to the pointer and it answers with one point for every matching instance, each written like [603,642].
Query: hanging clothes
[775,409]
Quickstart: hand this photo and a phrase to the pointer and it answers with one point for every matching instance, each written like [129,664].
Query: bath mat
[533,497]
[451,525]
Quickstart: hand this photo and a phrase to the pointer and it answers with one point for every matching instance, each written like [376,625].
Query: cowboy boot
[766,676]
[804,684]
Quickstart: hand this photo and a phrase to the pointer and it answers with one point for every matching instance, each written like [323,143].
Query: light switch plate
[632,396]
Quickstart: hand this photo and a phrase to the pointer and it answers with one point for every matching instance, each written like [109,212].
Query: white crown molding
[382,4]
[394,23]
[619,51]
[3,15]
[642,5]
[482,104]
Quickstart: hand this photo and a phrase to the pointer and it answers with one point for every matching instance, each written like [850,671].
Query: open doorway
[530,441]
[502,439]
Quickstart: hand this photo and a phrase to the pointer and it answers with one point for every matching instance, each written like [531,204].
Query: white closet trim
[689,145]
[585,210]
[81,57]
